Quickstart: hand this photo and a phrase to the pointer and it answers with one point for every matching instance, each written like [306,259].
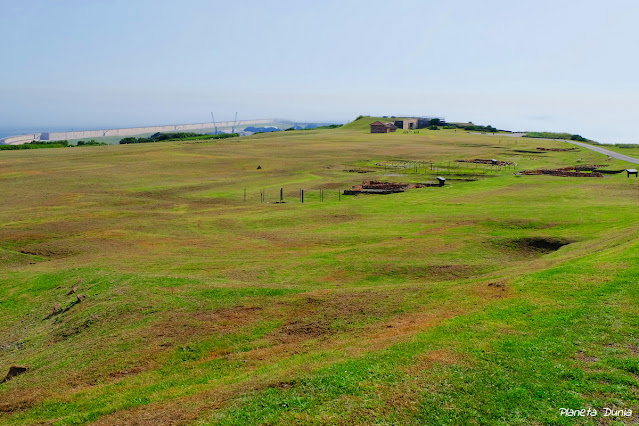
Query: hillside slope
[164,283]
[364,122]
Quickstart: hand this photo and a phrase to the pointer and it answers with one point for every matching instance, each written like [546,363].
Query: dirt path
[607,152]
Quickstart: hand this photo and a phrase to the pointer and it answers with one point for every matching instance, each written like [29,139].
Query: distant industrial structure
[405,123]
[131,131]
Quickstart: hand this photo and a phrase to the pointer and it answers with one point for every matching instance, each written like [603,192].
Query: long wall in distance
[131,131]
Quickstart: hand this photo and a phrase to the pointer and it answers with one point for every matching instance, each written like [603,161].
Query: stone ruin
[573,171]
[491,162]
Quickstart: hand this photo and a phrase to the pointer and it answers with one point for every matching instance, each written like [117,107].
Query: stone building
[379,127]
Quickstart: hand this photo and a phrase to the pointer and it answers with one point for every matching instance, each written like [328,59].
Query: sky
[562,65]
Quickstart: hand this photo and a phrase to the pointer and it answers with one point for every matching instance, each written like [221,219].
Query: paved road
[606,152]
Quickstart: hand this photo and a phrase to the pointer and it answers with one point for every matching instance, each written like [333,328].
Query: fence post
[281,194]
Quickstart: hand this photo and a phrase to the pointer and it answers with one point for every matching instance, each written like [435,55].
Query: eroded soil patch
[534,245]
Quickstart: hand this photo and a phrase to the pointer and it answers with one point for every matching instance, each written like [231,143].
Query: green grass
[424,307]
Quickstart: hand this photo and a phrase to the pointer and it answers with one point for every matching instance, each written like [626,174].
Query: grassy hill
[497,299]
[362,123]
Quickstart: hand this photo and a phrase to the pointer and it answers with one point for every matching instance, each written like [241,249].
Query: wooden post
[281,194]
[302,196]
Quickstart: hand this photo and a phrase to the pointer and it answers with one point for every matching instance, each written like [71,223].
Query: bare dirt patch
[493,290]
[178,327]
[170,331]
[19,400]
[401,326]
[583,357]
[48,250]
[430,272]
[340,277]
[323,315]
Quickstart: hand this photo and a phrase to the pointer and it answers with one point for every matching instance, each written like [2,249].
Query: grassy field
[497,299]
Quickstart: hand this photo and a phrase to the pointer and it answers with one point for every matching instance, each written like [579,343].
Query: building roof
[377,123]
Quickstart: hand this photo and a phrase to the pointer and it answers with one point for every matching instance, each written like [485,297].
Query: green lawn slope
[166,284]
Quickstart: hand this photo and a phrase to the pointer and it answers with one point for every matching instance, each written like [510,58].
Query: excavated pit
[540,244]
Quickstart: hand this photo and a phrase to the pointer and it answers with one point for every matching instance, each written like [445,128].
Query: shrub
[553,135]
[35,145]
[578,138]
[330,126]
[158,137]
[487,129]
[92,142]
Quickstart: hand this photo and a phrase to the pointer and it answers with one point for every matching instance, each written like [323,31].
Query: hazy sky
[535,65]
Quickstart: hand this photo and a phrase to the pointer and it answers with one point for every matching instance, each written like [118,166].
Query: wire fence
[293,195]
[402,168]
[426,167]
